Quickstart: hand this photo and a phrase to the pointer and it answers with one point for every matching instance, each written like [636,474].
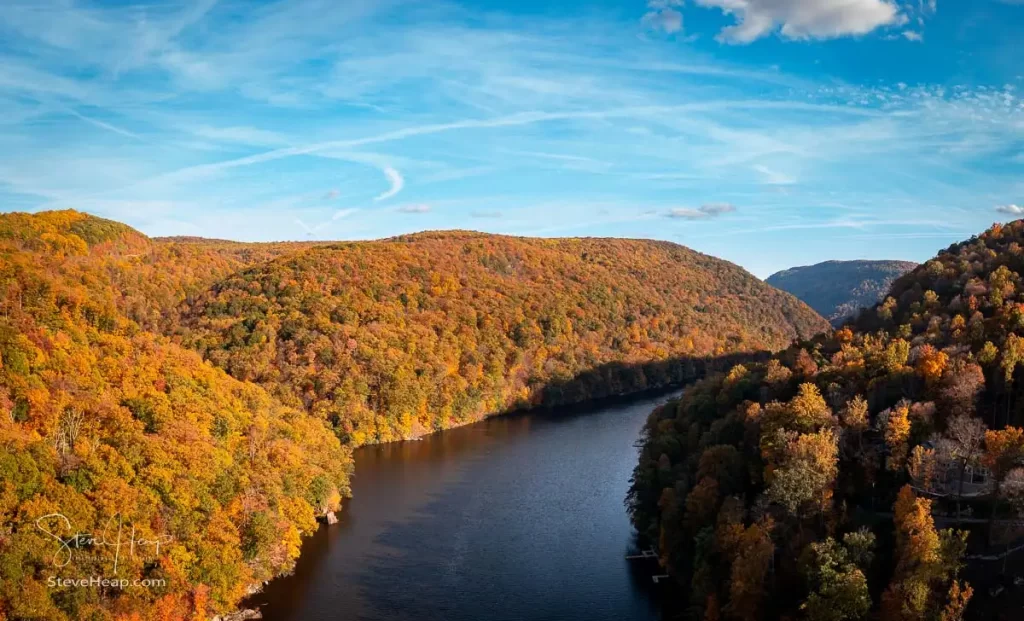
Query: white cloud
[663,17]
[485,214]
[910,35]
[343,213]
[704,212]
[414,208]
[397,183]
[1013,210]
[804,19]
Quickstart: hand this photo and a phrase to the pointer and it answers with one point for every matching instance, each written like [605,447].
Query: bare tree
[68,429]
[963,441]
[257,441]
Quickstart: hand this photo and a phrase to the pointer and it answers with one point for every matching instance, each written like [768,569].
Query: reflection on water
[515,518]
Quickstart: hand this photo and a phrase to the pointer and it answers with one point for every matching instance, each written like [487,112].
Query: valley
[209,394]
[400,310]
[219,397]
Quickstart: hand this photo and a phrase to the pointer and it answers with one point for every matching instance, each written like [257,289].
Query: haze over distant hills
[838,289]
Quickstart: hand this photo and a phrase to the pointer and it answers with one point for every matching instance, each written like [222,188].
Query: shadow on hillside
[618,380]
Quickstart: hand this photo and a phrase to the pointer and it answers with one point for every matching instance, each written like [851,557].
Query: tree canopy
[106,423]
[392,339]
[910,408]
[207,394]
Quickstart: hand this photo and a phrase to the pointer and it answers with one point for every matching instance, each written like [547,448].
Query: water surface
[515,518]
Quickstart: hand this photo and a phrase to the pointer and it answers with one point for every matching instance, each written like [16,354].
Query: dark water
[515,518]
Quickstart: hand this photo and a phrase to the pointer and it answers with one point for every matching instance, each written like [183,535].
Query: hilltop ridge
[837,290]
[397,337]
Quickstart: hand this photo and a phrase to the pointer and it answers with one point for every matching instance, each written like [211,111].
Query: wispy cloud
[311,230]
[564,157]
[507,121]
[716,209]
[242,135]
[704,212]
[1011,209]
[106,126]
[456,174]
[774,177]
[396,181]
[343,213]
[198,116]
[414,208]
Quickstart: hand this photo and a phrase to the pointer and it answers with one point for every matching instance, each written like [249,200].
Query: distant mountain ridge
[838,289]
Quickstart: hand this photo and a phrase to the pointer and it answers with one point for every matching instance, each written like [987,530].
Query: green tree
[838,587]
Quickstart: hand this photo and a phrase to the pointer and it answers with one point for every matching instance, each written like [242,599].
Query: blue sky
[771,133]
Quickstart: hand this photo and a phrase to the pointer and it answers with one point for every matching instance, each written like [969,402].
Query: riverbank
[312,542]
[689,370]
[590,389]
[492,520]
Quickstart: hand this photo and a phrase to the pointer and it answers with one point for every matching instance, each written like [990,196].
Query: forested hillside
[156,282]
[114,423]
[396,338]
[105,423]
[839,289]
[814,485]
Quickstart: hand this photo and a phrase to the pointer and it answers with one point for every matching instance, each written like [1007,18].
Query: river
[514,518]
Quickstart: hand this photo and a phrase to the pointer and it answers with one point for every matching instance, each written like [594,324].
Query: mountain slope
[395,338]
[807,484]
[107,417]
[838,289]
[103,422]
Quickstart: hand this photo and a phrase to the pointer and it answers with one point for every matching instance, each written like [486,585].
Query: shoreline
[247,605]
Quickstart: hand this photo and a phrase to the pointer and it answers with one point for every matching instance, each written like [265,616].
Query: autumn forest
[210,393]
[873,472]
